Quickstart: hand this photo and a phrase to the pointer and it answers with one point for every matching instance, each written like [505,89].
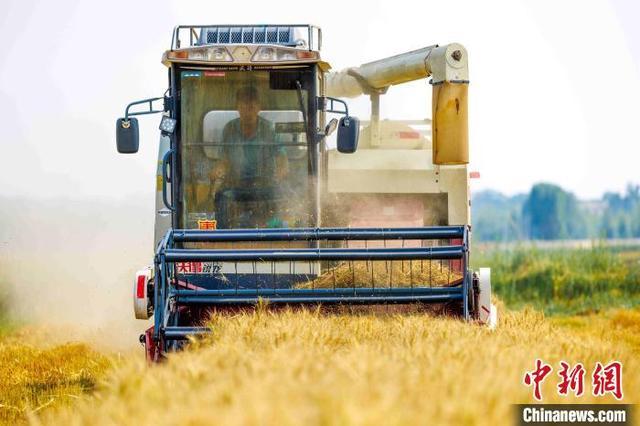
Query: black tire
[472,296]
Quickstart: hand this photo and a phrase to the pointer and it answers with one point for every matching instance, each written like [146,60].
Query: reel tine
[366,246]
[411,273]
[386,265]
[353,274]
[237,276]
[430,267]
[255,274]
[373,282]
[333,270]
[402,261]
[273,274]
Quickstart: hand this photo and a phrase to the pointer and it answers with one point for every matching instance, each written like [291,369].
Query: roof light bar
[241,54]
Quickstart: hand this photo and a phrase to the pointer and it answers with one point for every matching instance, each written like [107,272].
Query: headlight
[264,54]
[219,54]
[197,55]
[285,55]
[212,54]
[269,54]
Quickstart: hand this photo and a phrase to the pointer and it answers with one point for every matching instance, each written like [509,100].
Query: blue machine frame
[168,295]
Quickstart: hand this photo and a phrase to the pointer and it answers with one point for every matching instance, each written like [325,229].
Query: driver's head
[248,103]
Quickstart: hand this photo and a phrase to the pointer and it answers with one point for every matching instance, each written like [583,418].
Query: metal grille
[212,36]
[290,35]
[283,35]
[274,35]
[236,36]
[223,36]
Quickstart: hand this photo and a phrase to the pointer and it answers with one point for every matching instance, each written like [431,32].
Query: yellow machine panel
[450,128]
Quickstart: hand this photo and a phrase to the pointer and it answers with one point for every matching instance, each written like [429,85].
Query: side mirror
[348,132]
[127,135]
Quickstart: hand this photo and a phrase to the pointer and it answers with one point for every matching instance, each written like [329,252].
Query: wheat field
[305,367]
[35,379]
[360,368]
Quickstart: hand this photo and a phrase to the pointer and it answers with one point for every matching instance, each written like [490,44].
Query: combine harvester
[253,205]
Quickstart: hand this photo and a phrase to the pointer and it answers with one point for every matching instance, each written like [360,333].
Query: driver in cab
[250,163]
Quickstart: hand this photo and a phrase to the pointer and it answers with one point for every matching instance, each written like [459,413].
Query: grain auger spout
[253,205]
[447,66]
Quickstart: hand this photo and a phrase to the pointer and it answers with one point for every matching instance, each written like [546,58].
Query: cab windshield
[243,149]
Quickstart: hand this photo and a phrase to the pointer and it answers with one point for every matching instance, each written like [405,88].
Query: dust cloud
[68,266]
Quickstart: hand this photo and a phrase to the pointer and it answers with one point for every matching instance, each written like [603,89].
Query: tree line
[548,212]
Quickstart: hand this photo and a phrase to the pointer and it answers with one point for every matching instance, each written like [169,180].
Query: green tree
[550,212]
[496,217]
[621,218]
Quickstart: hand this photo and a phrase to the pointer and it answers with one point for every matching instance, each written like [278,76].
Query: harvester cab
[252,204]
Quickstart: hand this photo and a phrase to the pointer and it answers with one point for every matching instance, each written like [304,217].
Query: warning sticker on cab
[214,73]
[207,224]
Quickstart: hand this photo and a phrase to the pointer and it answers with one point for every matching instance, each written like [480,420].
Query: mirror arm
[322,104]
[149,101]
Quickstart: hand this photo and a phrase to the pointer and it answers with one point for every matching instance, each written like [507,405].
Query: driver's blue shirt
[251,161]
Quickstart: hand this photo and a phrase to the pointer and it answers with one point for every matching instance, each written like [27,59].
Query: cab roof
[231,45]
[300,36]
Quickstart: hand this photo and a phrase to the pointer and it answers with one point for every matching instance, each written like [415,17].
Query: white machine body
[488,313]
